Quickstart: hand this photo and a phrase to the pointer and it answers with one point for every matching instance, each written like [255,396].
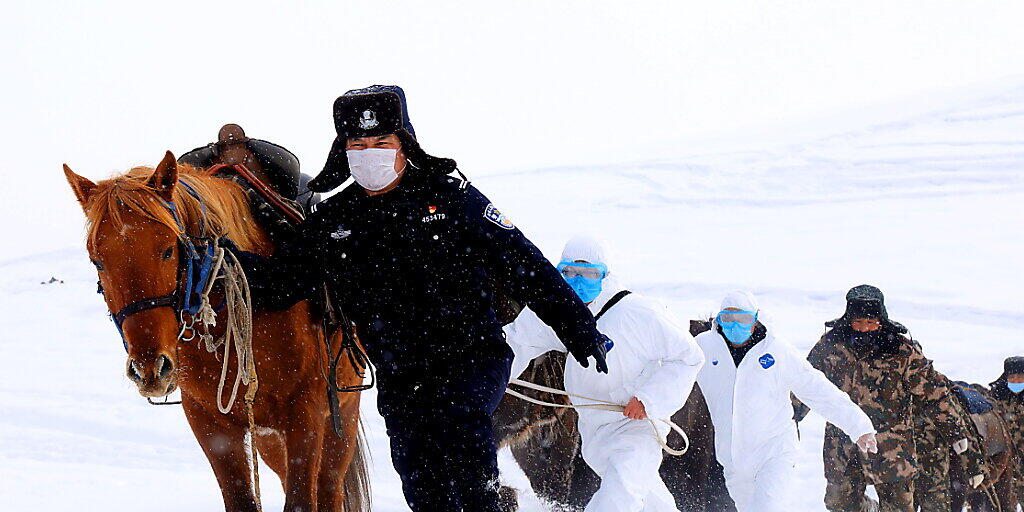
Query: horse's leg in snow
[223,442]
[272,452]
[337,455]
[303,438]
[546,458]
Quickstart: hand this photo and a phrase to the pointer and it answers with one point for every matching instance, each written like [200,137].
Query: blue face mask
[587,288]
[736,325]
[584,278]
[1015,387]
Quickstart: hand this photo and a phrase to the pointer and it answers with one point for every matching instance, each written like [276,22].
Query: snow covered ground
[925,205]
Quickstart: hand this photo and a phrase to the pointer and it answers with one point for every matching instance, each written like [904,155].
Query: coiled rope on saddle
[601,405]
[238,330]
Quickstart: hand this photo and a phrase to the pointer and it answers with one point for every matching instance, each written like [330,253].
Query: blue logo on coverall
[766,361]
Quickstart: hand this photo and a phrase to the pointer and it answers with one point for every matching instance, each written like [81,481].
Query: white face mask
[373,168]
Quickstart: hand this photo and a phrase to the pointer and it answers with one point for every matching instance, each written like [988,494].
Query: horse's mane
[224,210]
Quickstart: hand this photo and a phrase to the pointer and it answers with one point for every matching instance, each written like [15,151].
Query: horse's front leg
[303,437]
[223,442]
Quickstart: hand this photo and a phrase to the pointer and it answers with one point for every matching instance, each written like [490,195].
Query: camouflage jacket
[887,386]
[1011,408]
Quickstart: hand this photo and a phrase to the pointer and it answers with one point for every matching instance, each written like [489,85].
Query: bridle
[194,273]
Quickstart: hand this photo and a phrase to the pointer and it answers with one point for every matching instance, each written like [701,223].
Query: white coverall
[652,359]
[755,436]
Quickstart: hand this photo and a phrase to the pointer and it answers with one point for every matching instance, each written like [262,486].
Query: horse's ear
[82,187]
[165,177]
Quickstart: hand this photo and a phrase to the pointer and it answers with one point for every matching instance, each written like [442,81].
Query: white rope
[601,405]
[238,332]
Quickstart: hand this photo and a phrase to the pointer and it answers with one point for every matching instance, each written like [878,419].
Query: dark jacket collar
[1002,392]
[887,341]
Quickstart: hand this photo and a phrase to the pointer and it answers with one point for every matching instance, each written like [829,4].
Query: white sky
[497,85]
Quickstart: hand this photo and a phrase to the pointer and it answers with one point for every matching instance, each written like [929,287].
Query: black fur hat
[866,301]
[1013,365]
[370,112]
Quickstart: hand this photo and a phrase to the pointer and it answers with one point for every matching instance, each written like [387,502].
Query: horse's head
[134,243]
[140,229]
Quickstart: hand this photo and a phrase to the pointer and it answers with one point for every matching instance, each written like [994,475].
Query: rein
[601,405]
[598,404]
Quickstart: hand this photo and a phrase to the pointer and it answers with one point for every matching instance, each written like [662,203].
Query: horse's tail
[357,478]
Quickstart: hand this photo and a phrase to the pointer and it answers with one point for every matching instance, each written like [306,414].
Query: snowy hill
[925,206]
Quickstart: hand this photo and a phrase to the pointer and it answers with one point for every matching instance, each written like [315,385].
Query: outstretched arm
[529,276]
[930,388]
[822,396]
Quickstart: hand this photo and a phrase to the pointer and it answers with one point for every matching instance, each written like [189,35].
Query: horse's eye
[98,265]
[168,253]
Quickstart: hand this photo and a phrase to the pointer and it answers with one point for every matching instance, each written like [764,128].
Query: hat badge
[368,120]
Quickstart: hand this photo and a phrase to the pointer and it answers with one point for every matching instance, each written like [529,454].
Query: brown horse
[135,241]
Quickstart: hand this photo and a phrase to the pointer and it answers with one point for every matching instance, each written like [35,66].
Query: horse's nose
[162,368]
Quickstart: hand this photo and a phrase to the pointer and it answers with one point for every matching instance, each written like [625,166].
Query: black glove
[597,351]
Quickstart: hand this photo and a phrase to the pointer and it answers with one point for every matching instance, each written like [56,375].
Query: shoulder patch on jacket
[494,215]
[766,361]
[455,182]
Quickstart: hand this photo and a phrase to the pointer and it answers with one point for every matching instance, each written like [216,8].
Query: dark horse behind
[546,445]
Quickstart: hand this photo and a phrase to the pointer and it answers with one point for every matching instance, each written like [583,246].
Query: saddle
[281,165]
[994,436]
[268,172]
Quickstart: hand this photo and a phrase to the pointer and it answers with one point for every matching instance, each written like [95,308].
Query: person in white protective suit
[652,365]
[747,383]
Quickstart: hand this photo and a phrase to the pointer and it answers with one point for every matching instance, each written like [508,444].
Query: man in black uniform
[411,253]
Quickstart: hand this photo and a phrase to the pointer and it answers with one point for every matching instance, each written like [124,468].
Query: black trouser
[442,439]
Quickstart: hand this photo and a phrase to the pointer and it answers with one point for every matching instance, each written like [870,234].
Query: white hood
[740,299]
[585,248]
[747,301]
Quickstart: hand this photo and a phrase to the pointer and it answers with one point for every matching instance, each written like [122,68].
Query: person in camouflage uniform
[870,357]
[932,489]
[1008,391]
